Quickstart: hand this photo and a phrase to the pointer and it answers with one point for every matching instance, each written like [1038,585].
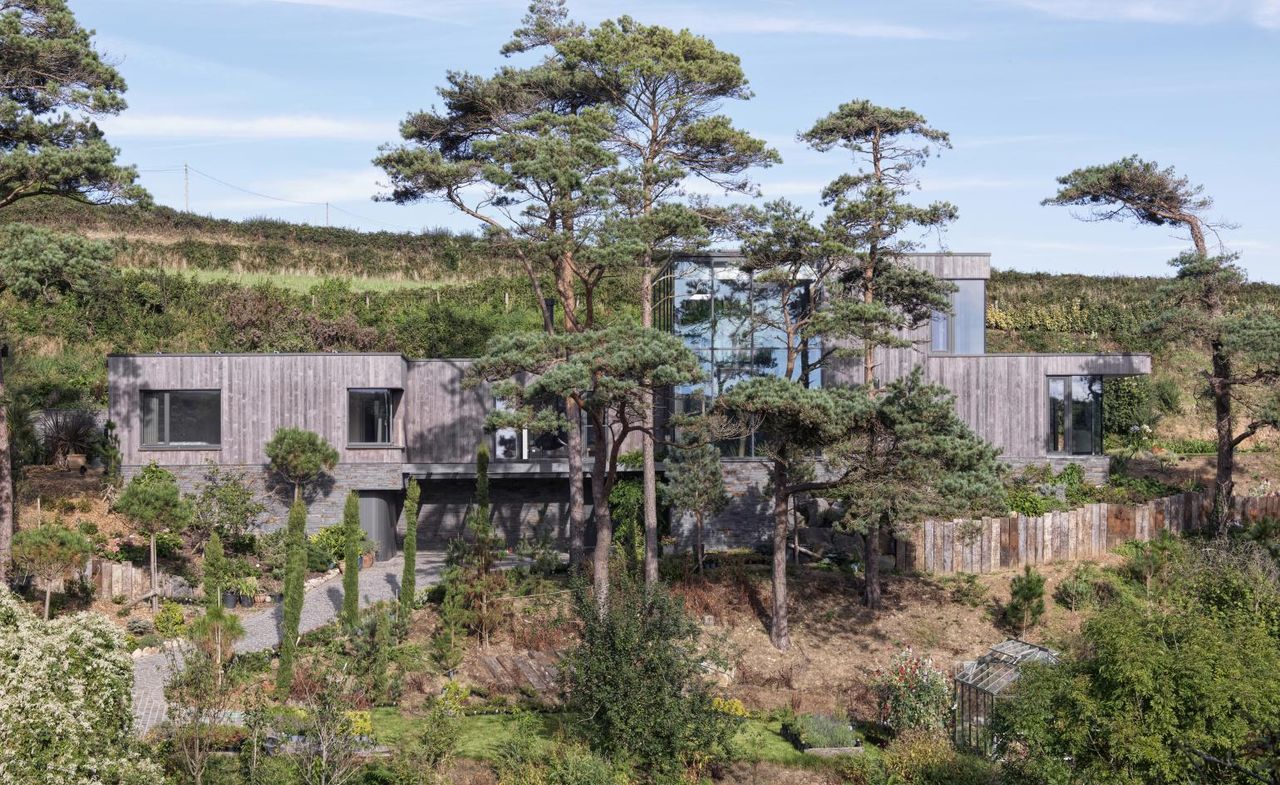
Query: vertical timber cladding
[261,393]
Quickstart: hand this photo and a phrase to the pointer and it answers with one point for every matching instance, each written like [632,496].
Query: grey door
[378,513]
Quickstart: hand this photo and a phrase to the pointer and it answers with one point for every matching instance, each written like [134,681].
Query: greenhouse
[979,684]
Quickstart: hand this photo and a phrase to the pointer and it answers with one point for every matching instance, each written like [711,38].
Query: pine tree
[295,575]
[610,373]
[353,538]
[1201,303]
[299,457]
[665,90]
[694,484]
[1026,600]
[153,502]
[53,84]
[409,576]
[872,225]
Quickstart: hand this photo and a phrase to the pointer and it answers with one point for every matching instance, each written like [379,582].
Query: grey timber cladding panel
[260,393]
[446,417]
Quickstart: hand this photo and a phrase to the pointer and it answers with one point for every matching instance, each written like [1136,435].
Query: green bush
[170,621]
[809,731]
[964,588]
[636,681]
[912,695]
[1078,591]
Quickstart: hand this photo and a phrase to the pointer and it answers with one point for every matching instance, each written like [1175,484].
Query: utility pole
[186,189]
[326,213]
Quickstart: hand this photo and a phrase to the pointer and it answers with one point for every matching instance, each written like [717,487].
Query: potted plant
[247,588]
[368,552]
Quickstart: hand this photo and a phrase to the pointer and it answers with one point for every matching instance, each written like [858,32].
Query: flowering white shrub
[66,715]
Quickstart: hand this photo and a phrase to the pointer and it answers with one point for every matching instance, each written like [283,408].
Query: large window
[370,414]
[733,324]
[963,331]
[181,418]
[1075,415]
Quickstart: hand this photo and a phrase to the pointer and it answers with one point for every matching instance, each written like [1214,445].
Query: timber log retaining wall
[993,544]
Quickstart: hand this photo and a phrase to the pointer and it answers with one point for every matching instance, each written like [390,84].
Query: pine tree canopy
[52,84]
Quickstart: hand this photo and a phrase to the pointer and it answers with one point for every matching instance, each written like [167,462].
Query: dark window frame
[166,442]
[393,404]
[1063,431]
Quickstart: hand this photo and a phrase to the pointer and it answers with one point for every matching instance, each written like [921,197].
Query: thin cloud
[1001,141]
[777,25]
[1263,13]
[974,184]
[448,11]
[178,126]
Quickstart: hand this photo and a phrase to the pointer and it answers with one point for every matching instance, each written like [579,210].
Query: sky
[290,99]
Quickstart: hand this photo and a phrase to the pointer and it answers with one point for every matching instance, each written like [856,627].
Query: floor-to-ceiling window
[963,330]
[1075,415]
[735,327]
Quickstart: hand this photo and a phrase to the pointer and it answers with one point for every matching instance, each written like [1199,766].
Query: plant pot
[246,600]
[229,599]
[366,560]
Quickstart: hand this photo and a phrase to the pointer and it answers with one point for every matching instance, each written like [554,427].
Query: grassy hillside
[299,254]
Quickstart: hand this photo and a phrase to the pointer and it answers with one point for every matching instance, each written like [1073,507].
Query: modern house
[395,420]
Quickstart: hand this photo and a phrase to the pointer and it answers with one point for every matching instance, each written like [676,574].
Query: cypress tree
[409,578]
[215,570]
[295,574]
[353,536]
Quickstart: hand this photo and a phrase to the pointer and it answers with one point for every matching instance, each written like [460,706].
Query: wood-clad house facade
[394,420]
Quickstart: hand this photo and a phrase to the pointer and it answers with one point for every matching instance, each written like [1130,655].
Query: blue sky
[290,98]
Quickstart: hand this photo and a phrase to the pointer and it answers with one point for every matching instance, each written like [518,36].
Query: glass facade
[734,325]
[181,418]
[370,413]
[1075,415]
[963,331]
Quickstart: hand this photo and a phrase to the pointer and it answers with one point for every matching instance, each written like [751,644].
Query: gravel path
[322,604]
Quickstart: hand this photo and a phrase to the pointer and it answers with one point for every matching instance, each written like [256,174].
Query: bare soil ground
[1256,472]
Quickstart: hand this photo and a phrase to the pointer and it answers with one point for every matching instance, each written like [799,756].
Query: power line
[186,169]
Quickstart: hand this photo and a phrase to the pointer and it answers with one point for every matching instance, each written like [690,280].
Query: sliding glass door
[1075,415]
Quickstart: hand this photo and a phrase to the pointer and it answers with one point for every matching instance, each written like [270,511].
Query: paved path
[322,604]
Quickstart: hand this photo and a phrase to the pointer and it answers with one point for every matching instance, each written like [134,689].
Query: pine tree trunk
[650,478]
[6,488]
[48,592]
[155,598]
[871,557]
[1224,423]
[604,522]
[779,633]
[699,551]
[577,504]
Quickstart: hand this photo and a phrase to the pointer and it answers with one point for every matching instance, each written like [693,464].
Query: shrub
[967,590]
[1078,590]
[808,731]
[1026,601]
[912,694]
[139,626]
[636,681]
[170,621]
[69,673]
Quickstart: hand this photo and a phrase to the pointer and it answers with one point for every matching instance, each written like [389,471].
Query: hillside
[190,283]
[215,247]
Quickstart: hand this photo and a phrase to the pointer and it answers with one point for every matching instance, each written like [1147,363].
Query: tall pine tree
[1201,304]
[53,83]
[665,90]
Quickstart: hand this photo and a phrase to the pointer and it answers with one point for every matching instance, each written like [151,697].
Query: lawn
[301,282]
[758,740]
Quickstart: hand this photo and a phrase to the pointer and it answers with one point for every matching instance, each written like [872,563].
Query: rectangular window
[370,413]
[964,330]
[1075,415]
[181,418]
